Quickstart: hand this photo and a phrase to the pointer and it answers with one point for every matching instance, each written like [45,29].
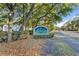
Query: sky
[69,17]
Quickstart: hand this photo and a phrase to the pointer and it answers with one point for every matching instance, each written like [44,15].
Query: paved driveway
[61,44]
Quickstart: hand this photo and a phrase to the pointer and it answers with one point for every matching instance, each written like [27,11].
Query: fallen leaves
[27,47]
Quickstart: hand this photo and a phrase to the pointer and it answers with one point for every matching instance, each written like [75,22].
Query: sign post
[5,28]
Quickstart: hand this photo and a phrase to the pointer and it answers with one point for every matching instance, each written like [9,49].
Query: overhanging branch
[26,18]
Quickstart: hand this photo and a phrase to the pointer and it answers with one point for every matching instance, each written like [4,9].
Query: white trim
[39,1]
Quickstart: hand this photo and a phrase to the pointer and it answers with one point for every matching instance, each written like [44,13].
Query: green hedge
[51,35]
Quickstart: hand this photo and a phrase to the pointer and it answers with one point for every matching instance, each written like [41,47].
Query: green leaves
[73,25]
[53,11]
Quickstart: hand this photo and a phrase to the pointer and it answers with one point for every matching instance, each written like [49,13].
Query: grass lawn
[76,38]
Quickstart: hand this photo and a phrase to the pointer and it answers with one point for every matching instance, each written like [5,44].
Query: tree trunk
[10,7]
[26,18]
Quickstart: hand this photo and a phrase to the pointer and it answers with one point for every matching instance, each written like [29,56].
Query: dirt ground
[24,47]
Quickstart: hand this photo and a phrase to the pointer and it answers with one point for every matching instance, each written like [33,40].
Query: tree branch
[48,10]
[52,7]
[26,18]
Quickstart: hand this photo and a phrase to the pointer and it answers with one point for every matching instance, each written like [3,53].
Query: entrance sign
[41,30]
[5,28]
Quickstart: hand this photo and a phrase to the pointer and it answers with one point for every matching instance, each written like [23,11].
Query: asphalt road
[62,44]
